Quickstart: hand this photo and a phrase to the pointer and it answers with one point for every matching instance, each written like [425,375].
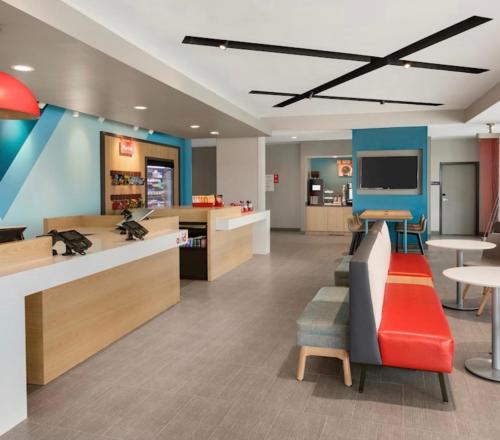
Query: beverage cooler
[160,183]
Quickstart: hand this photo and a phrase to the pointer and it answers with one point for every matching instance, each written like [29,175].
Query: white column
[241,170]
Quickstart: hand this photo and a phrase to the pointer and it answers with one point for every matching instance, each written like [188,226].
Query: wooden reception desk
[232,237]
[77,305]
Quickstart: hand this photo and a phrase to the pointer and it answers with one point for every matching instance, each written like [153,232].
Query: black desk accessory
[134,229]
[75,242]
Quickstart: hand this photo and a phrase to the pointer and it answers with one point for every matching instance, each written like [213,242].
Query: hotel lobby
[249,220]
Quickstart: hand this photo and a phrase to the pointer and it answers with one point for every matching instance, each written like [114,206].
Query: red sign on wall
[126,147]
[276,178]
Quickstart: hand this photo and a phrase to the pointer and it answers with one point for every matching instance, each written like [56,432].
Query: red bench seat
[413,265]
[414,332]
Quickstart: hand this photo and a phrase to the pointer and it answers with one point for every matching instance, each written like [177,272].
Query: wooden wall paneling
[112,160]
[82,317]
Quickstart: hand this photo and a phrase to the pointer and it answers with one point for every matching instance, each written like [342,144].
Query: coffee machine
[349,193]
[315,192]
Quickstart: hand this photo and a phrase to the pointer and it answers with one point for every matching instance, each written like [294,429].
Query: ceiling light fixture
[214,133]
[223,45]
[194,126]
[16,100]
[76,114]
[294,137]
[140,107]
[42,105]
[151,131]
[101,119]
[407,65]
[136,128]
[23,68]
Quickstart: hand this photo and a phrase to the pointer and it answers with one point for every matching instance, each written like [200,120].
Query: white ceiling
[366,27]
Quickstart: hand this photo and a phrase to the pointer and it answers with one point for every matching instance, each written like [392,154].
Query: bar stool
[489,257]
[413,229]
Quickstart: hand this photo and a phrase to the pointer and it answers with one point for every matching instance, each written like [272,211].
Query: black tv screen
[389,172]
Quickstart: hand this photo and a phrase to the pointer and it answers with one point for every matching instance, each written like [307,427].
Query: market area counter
[220,239]
[77,305]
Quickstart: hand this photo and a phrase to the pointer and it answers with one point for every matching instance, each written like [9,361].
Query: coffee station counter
[327,218]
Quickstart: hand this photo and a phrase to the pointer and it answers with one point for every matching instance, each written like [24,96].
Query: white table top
[464,245]
[485,276]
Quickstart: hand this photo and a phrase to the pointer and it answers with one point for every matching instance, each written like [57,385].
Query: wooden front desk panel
[327,218]
[66,325]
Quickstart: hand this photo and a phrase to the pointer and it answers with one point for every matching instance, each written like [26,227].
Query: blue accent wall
[56,169]
[398,138]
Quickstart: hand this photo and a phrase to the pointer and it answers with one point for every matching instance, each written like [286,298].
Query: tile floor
[221,365]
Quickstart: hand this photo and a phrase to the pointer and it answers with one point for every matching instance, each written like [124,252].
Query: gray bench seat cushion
[325,320]
[342,272]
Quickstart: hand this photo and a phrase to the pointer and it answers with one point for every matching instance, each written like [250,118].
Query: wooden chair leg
[484,300]
[346,367]
[302,363]
[466,290]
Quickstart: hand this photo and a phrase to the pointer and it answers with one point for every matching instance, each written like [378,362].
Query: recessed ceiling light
[76,114]
[223,46]
[194,126]
[22,68]
[140,107]
[407,65]
[136,128]
[215,133]
[294,137]
[151,131]
[100,119]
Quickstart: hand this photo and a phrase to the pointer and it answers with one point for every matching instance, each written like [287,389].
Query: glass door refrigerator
[159,183]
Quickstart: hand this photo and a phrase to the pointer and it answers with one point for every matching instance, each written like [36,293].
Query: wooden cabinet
[316,219]
[327,218]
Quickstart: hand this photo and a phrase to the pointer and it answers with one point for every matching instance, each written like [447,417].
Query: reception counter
[232,238]
[77,305]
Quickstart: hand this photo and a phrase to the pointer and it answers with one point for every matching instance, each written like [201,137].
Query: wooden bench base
[343,355]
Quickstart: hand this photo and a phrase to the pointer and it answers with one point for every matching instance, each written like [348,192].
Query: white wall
[241,170]
[284,201]
[447,150]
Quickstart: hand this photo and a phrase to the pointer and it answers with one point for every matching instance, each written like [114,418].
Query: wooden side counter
[68,323]
[226,249]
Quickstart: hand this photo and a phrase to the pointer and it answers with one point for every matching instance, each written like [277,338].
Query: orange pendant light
[16,100]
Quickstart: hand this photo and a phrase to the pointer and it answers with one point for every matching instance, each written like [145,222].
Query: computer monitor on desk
[11,233]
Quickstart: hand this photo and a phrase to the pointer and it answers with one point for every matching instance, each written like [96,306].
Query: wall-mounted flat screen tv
[389,172]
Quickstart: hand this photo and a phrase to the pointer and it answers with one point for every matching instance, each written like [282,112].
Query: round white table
[486,277]
[460,246]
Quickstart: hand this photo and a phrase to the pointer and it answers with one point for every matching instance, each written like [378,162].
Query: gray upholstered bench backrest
[368,275]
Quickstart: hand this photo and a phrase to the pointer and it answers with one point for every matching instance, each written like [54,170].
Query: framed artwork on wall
[344,167]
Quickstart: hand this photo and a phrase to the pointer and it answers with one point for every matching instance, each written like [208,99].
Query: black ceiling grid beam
[289,50]
[347,98]
[431,40]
